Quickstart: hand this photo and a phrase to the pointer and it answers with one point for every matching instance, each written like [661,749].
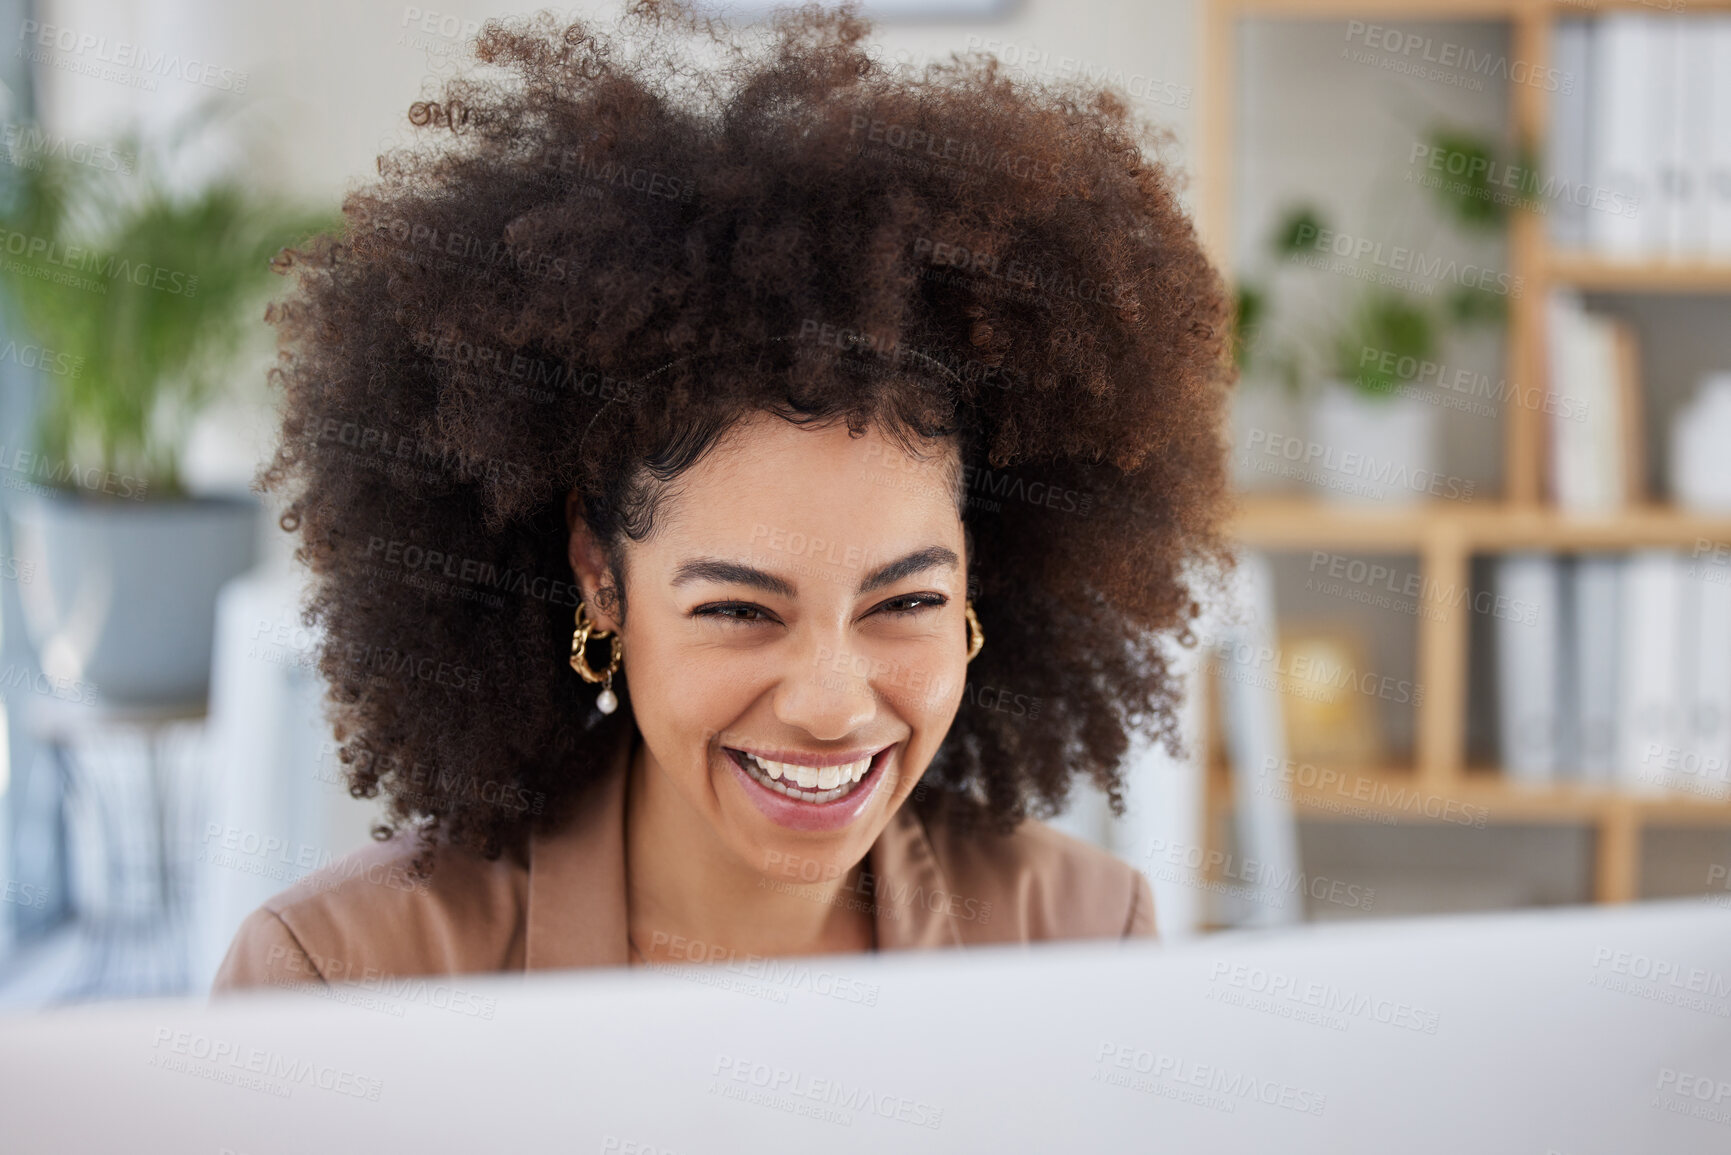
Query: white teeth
[794,780]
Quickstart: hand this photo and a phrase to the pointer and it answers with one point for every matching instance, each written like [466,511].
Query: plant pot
[122,605]
[1375,450]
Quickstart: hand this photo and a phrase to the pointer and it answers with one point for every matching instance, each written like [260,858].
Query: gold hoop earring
[976,636]
[608,701]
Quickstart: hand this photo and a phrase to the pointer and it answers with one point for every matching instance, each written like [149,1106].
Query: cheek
[927,689]
[689,691]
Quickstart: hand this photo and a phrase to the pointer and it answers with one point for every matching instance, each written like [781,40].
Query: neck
[683,883]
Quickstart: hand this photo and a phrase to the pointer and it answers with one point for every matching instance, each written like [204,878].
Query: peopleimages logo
[1340,1003]
[1384,796]
[43,358]
[1486,178]
[414,558]
[1471,383]
[778,973]
[801,1094]
[1114,1062]
[1400,259]
[1347,470]
[81,260]
[1028,279]
[1250,875]
[1416,50]
[1043,63]
[27,146]
[51,472]
[955,155]
[225,1061]
[1372,580]
[485,255]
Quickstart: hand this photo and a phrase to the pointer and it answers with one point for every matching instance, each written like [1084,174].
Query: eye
[732,612]
[908,604]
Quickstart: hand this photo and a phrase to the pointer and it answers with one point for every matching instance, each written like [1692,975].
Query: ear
[589,565]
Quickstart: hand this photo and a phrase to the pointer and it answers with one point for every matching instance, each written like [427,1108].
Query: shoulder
[1041,884]
[366,915]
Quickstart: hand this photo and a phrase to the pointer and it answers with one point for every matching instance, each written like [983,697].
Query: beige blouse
[563,903]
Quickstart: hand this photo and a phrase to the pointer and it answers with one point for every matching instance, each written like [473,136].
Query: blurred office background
[1478,655]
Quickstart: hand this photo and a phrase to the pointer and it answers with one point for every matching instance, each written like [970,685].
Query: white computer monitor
[1582,1031]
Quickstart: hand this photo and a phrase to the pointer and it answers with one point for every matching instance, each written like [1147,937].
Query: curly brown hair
[595,258]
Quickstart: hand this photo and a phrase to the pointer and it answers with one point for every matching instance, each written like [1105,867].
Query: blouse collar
[576,903]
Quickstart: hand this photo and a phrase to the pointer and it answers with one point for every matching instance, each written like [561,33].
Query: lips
[781,798]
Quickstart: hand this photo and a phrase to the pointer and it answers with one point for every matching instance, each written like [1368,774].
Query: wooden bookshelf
[1483,797]
[1495,799]
[1445,536]
[1292,523]
[1598,274]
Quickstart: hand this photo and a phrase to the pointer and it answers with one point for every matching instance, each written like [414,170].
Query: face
[796,641]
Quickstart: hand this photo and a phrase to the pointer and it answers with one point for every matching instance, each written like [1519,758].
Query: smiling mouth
[814,784]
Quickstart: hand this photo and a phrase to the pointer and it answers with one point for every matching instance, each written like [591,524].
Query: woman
[851,432]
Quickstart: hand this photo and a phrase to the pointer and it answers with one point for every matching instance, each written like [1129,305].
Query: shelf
[1292,522]
[1589,8]
[1482,797]
[1477,10]
[1300,523]
[1601,274]
[1375,9]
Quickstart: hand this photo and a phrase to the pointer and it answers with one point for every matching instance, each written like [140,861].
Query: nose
[826,691]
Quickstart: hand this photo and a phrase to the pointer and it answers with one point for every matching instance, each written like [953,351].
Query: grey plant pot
[121,605]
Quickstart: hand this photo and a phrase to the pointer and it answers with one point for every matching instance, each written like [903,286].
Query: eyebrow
[737,573]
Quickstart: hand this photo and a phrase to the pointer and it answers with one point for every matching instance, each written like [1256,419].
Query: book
[1626,445]
[1649,641]
[1590,663]
[1702,766]
[1595,460]
[1716,34]
[1527,645]
[1567,468]
[1567,175]
[1662,228]
[1620,144]
[1691,136]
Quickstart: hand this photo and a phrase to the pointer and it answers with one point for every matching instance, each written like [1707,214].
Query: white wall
[336,77]
[325,86]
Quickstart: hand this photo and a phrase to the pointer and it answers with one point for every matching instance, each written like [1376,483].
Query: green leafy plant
[143,293]
[1394,326]
[1397,324]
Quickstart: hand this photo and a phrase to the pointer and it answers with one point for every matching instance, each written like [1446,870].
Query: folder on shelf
[1595,424]
[1702,766]
[1649,723]
[1568,173]
[1627,441]
[1590,667]
[1527,669]
[1717,37]
[1621,139]
[1690,134]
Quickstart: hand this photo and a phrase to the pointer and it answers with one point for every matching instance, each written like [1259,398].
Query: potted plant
[1375,436]
[1371,421]
[136,297]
